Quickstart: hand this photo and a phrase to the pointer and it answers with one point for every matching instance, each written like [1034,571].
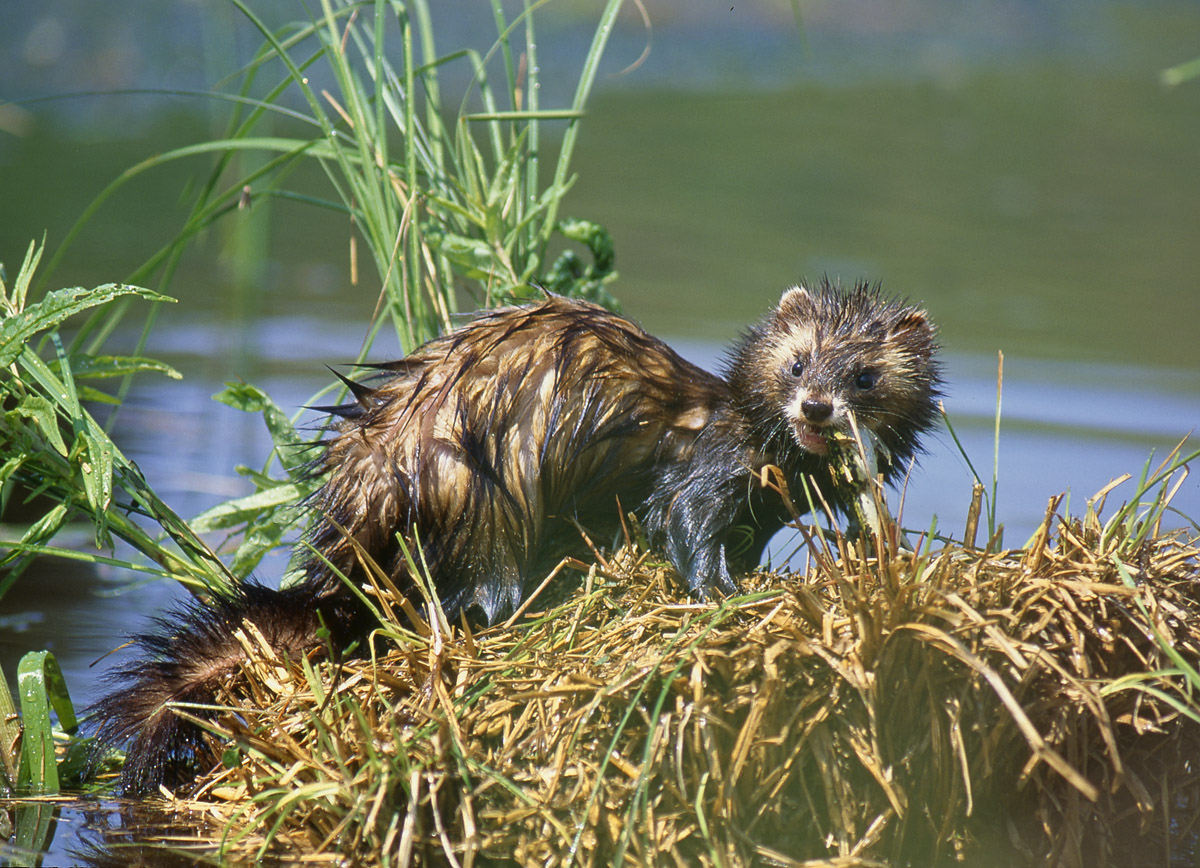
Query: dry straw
[1024,707]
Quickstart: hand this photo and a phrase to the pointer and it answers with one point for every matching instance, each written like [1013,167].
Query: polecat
[490,452]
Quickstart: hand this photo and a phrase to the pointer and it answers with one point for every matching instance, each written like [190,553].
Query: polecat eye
[866,380]
[797,368]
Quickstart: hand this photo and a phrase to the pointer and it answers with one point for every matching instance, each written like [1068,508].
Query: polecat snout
[488,453]
[792,379]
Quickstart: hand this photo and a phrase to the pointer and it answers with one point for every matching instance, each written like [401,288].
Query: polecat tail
[189,654]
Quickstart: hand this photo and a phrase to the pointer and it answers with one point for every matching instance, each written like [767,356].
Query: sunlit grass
[938,707]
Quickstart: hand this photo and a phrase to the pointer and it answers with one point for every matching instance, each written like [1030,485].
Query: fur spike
[362,393]
[342,411]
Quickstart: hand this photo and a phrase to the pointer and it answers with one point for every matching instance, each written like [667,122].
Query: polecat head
[824,352]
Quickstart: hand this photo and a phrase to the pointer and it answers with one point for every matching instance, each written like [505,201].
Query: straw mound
[902,710]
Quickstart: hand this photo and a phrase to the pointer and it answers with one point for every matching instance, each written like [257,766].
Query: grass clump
[54,448]
[438,196]
[1029,707]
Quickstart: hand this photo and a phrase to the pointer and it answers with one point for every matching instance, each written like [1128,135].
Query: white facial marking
[795,408]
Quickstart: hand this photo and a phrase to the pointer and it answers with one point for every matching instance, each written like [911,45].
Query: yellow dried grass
[958,707]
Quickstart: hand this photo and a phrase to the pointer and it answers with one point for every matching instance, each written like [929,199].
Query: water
[1036,190]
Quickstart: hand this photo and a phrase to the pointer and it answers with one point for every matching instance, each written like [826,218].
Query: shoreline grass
[1031,706]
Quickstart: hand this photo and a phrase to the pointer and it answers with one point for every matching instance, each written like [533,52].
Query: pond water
[1046,207]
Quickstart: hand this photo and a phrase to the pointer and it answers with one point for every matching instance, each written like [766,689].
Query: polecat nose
[816,409]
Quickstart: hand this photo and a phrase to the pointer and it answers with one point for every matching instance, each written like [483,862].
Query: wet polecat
[490,452]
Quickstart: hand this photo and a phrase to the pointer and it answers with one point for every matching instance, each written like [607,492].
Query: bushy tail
[188,655]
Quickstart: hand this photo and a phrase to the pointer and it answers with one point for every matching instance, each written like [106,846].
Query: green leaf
[42,688]
[259,540]
[92,449]
[473,255]
[504,182]
[33,255]
[595,237]
[57,306]
[43,414]
[94,396]
[97,367]
[234,512]
[97,470]
[288,442]
[42,529]
[251,399]
[571,277]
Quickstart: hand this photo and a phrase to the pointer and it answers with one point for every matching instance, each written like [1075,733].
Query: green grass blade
[583,90]
[33,255]
[10,739]
[19,327]
[42,688]
[234,512]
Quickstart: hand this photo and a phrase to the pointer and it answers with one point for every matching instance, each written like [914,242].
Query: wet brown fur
[495,445]
[490,451]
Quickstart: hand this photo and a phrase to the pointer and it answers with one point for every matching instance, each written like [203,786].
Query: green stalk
[591,65]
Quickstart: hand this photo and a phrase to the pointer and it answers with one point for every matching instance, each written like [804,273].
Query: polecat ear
[795,299]
[915,324]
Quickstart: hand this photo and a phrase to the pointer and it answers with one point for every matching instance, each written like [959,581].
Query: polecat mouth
[811,438]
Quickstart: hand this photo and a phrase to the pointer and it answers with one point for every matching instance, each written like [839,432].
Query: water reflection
[109,832]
